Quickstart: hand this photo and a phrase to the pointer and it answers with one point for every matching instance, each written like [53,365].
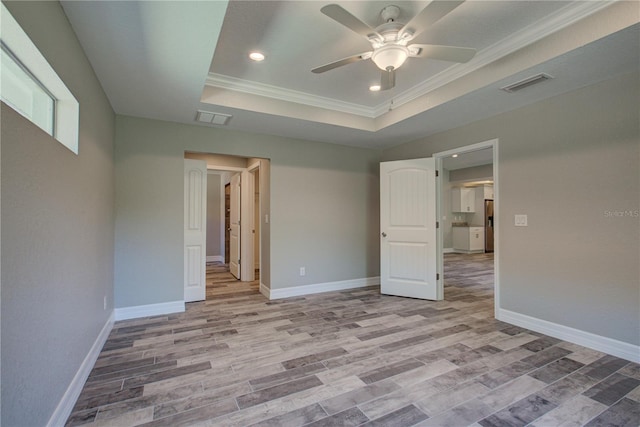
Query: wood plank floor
[352,358]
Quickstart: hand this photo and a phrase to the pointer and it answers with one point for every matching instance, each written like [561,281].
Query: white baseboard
[148,310]
[320,287]
[264,290]
[215,258]
[587,339]
[448,251]
[70,397]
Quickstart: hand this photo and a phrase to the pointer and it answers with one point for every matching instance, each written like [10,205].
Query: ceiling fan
[390,40]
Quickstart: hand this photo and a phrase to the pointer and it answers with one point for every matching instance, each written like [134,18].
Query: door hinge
[238,261]
[437,224]
[437,173]
[437,276]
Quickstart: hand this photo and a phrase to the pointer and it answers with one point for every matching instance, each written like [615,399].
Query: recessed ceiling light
[454,156]
[374,88]
[256,56]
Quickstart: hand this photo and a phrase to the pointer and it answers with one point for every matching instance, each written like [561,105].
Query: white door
[408,263]
[195,229]
[234,239]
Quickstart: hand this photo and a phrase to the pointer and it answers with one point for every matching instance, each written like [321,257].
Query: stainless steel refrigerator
[488,225]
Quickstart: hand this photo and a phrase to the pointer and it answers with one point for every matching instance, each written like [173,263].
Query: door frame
[252,169]
[246,238]
[492,143]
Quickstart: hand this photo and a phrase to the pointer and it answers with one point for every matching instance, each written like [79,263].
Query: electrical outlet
[520,220]
[303,271]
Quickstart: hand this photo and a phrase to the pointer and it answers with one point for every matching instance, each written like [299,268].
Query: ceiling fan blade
[444,53]
[428,16]
[340,63]
[339,14]
[388,79]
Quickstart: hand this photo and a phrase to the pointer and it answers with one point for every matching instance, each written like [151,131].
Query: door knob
[384,234]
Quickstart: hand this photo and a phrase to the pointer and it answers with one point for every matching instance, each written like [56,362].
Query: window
[31,86]
[22,92]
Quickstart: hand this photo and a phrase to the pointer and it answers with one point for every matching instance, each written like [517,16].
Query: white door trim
[492,143]
[247,270]
[235,241]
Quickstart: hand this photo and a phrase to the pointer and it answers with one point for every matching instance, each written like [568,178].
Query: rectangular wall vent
[213,118]
[530,81]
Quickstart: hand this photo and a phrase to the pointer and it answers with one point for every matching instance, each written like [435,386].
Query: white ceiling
[166,60]
[469,159]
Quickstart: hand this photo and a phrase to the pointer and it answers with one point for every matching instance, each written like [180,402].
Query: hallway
[221,283]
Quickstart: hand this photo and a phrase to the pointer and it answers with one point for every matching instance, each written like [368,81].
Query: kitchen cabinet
[463,200]
[468,239]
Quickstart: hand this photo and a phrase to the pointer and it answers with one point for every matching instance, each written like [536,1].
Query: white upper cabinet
[463,200]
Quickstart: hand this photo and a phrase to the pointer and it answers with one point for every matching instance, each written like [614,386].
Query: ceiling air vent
[213,118]
[538,78]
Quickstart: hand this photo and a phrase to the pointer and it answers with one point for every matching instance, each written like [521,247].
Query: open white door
[195,230]
[408,263]
[234,239]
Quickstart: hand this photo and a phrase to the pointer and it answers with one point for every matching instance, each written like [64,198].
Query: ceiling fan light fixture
[391,55]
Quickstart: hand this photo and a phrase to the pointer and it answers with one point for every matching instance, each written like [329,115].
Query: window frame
[6,51]
[16,43]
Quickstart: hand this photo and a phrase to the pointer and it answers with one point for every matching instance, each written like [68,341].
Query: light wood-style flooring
[352,358]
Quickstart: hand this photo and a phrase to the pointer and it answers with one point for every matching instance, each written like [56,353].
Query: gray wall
[566,162]
[322,200]
[57,232]
[214,216]
[472,173]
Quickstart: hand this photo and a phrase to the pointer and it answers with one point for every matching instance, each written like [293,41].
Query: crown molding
[284,94]
[567,16]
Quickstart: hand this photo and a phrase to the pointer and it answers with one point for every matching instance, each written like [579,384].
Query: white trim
[215,258]
[148,310]
[264,290]
[247,271]
[288,95]
[448,251]
[67,109]
[493,144]
[212,168]
[320,288]
[568,15]
[587,339]
[467,148]
[253,166]
[70,397]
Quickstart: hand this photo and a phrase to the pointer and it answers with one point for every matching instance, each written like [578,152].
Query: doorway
[250,176]
[467,211]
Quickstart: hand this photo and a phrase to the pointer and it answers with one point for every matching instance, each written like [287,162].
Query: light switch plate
[521,220]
